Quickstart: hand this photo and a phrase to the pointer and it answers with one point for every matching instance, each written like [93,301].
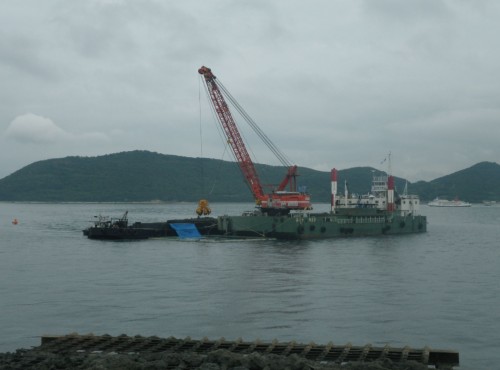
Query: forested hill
[140,176]
[474,184]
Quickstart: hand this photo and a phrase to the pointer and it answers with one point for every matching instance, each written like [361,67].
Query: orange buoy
[15,222]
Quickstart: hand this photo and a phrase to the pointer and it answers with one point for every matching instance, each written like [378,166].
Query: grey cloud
[408,11]
[22,53]
[339,82]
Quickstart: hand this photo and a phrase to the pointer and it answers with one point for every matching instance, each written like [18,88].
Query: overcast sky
[332,83]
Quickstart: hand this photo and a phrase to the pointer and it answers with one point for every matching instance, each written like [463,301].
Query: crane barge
[374,214]
[380,212]
[279,201]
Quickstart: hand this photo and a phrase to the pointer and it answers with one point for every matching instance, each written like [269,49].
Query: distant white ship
[448,203]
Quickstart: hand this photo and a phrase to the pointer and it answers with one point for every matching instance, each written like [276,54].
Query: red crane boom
[279,201]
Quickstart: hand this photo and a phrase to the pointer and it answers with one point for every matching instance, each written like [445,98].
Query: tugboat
[116,229]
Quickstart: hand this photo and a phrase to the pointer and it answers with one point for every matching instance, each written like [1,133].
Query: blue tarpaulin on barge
[186,231]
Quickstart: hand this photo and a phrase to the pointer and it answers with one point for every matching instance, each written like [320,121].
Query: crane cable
[224,138]
[277,152]
[201,143]
[221,135]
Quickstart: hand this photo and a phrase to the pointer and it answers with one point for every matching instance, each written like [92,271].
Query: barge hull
[320,226]
[145,230]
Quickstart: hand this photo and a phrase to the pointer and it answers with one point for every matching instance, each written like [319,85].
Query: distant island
[143,176]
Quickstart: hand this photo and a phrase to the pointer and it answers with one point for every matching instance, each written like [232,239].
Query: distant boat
[489,202]
[448,203]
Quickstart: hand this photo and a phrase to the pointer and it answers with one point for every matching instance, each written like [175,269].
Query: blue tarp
[186,231]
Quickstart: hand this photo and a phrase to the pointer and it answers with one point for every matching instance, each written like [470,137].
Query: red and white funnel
[390,194]
[334,187]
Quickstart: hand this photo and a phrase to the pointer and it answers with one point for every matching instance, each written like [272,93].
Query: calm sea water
[440,289]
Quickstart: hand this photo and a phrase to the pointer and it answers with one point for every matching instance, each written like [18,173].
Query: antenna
[389,165]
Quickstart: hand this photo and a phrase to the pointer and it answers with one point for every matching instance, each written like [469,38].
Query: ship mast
[391,207]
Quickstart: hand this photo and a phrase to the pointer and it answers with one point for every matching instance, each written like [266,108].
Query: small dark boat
[115,229]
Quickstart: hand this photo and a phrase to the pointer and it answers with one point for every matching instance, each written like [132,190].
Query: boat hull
[322,226]
[145,230]
[450,205]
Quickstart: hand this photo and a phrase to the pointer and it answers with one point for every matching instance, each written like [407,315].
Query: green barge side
[344,223]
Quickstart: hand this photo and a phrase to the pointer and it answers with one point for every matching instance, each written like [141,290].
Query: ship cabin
[408,204]
[377,199]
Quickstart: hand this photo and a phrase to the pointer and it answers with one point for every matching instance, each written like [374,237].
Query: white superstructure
[382,196]
[448,203]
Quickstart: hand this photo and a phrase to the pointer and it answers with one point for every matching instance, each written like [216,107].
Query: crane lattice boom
[280,201]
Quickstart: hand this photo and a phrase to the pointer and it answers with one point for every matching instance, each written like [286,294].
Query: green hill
[474,184]
[139,176]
